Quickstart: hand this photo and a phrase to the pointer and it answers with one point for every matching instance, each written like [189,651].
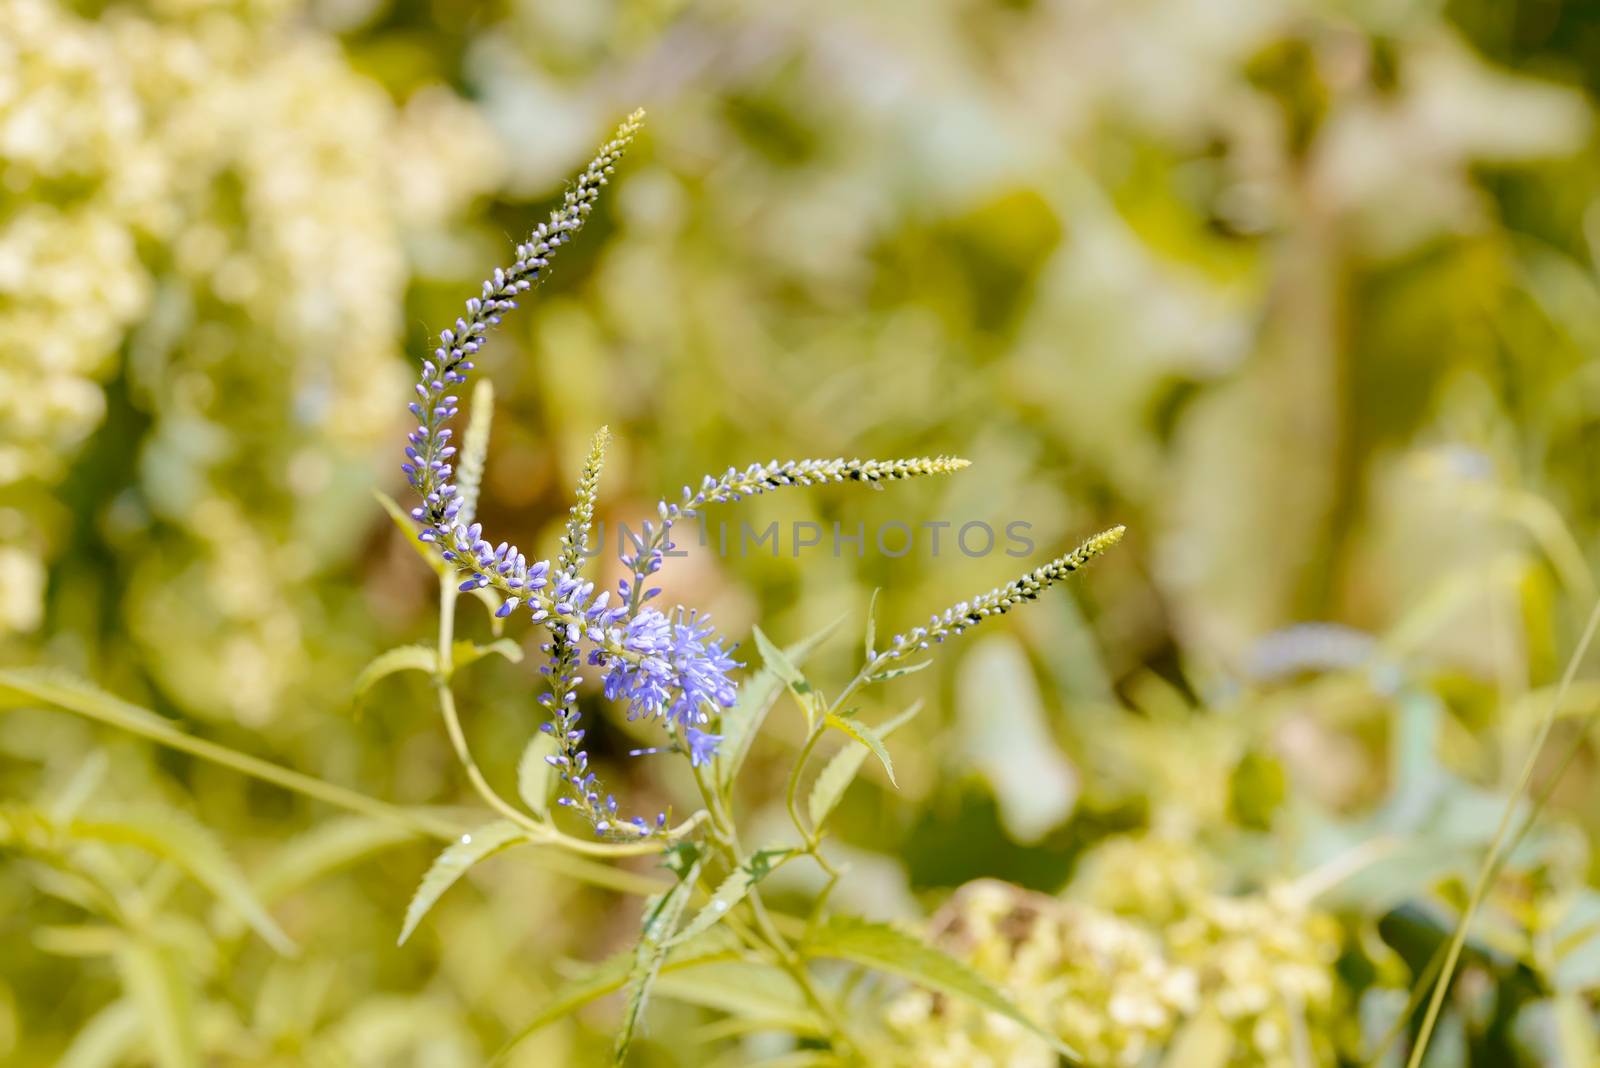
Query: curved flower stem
[791,794]
[792,963]
[811,835]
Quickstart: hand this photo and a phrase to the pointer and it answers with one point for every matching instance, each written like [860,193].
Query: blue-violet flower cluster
[671,667]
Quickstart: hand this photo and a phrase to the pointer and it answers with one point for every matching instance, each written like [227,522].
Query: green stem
[792,792]
[870,668]
[726,837]
[1490,866]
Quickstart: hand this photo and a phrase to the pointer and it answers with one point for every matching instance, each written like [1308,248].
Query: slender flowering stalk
[997,602]
[952,621]
[429,452]
[475,447]
[579,520]
[571,760]
[565,603]
[585,794]
[555,597]
[654,543]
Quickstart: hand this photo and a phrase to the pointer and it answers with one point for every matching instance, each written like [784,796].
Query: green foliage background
[1304,293]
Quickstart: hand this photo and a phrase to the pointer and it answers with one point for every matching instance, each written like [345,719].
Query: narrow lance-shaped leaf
[778,661]
[535,776]
[450,865]
[835,779]
[755,993]
[21,688]
[401,658]
[193,850]
[660,920]
[463,653]
[888,949]
[408,527]
[151,979]
[867,737]
[895,673]
[25,688]
[733,890]
[611,974]
[742,722]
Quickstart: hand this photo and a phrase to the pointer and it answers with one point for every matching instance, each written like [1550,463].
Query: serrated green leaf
[717,944]
[841,771]
[535,776]
[189,846]
[895,673]
[778,662]
[451,864]
[390,662]
[757,695]
[661,918]
[745,990]
[891,950]
[732,890]
[867,737]
[463,653]
[152,982]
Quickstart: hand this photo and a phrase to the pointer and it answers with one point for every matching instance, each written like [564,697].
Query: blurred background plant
[1305,293]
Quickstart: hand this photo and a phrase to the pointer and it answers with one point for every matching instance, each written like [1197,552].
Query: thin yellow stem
[1490,866]
[792,793]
